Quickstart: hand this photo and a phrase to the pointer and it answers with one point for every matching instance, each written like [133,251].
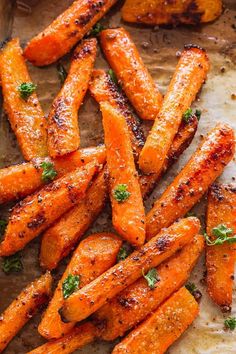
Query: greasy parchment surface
[158,48]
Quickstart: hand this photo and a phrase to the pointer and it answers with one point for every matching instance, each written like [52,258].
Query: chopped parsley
[152,278]
[3,225]
[26,89]
[191,287]
[96,29]
[198,114]
[62,73]
[230,323]
[70,285]
[113,76]
[121,193]
[12,264]
[222,233]
[188,114]
[125,250]
[49,173]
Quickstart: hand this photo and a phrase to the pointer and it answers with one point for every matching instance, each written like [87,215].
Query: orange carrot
[65,31]
[205,165]
[125,60]
[93,256]
[127,206]
[18,181]
[189,76]
[24,111]
[220,259]
[37,212]
[63,127]
[60,239]
[163,327]
[23,308]
[91,297]
[137,301]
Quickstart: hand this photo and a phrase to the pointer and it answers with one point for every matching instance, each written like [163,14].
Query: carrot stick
[127,210]
[63,127]
[93,256]
[77,338]
[61,238]
[37,212]
[220,259]
[205,165]
[18,181]
[163,327]
[125,60]
[65,31]
[189,76]
[23,308]
[103,89]
[91,297]
[24,112]
[137,301]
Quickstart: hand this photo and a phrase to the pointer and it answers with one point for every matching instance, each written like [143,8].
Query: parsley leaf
[222,234]
[191,287]
[198,114]
[26,89]
[230,323]
[188,114]
[3,225]
[12,264]
[152,278]
[49,173]
[125,250]
[121,193]
[62,73]
[95,31]
[70,285]
[113,76]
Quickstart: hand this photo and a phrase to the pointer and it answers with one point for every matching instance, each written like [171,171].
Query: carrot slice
[125,60]
[127,213]
[91,297]
[188,78]
[77,338]
[103,89]
[37,212]
[59,239]
[137,301]
[220,259]
[163,327]
[63,127]
[23,308]
[205,165]
[65,31]
[18,181]
[25,114]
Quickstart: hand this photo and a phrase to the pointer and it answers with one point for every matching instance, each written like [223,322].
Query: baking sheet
[159,48]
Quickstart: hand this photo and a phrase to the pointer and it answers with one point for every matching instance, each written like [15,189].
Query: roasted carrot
[63,127]
[188,78]
[91,297]
[163,327]
[220,259]
[93,256]
[137,301]
[65,31]
[18,181]
[180,143]
[127,205]
[23,308]
[160,12]
[205,165]
[77,338]
[23,108]
[38,211]
[103,89]
[60,239]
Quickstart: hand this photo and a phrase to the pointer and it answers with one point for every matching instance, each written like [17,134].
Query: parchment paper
[159,48]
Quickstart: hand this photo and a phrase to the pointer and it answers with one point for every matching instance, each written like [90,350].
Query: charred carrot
[37,212]
[21,102]
[103,89]
[163,327]
[23,308]
[65,31]
[188,78]
[63,127]
[220,259]
[127,205]
[18,181]
[205,165]
[91,297]
[93,256]
[125,60]
[137,301]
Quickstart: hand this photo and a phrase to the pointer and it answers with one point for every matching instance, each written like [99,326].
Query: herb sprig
[26,89]
[121,193]
[12,264]
[222,233]
[70,285]
[230,323]
[188,114]
[49,172]
[125,250]
[152,278]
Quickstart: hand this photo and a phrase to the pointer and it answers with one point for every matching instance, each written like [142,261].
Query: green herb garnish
[222,234]
[70,285]
[62,73]
[26,89]
[3,225]
[49,173]
[12,264]
[198,114]
[230,323]
[96,29]
[121,193]
[191,287]
[113,76]
[125,250]
[152,278]
[188,114]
